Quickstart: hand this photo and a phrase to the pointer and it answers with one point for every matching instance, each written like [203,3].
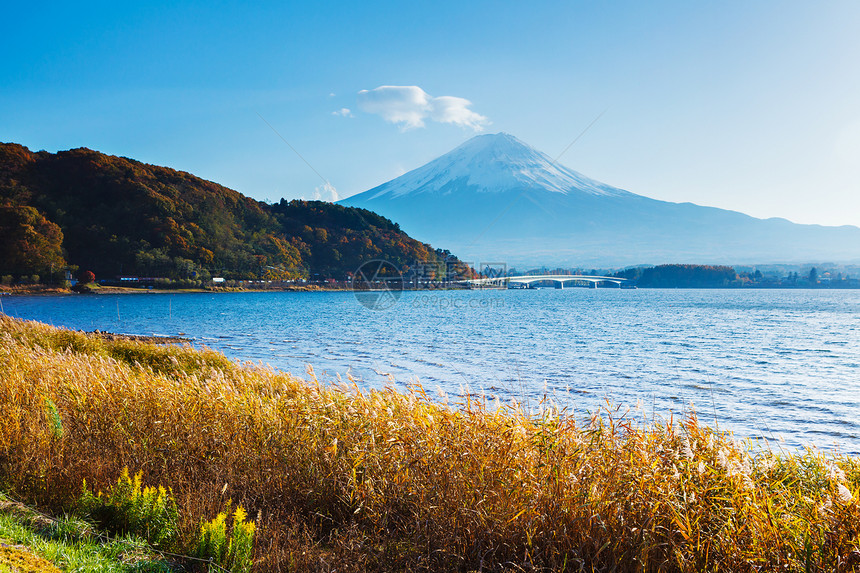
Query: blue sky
[752,106]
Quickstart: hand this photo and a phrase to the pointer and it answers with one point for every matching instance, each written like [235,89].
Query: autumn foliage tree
[115,216]
[29,243]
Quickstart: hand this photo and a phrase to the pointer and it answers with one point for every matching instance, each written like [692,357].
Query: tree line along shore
[661,276]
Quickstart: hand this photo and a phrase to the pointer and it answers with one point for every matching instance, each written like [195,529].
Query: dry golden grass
[20,560]
[349,480]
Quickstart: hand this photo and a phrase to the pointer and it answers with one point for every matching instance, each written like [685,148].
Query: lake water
[762,363]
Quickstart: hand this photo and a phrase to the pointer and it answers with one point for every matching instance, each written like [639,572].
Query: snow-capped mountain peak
[492,163]
[494,198]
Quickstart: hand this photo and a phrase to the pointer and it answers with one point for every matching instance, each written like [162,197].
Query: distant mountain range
[113,215]
[496,199]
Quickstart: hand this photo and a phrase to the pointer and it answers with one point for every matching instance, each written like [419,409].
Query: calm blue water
[763,363]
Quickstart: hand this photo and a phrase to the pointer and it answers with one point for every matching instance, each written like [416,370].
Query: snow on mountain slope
[492,163]
[494,198]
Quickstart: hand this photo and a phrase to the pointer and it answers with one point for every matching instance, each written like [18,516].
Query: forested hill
[114,215]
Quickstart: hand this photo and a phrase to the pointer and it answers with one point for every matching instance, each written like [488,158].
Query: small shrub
[241,542]
[130,508]
[6,280]
[235,553]
[54,419]
[213,539]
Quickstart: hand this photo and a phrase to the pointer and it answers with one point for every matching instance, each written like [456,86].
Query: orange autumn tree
[29,243]
[117,216]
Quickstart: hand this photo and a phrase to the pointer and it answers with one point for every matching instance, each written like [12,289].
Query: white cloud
[343,112]
[326,192]
[450,109]
[405,105]
[410,106]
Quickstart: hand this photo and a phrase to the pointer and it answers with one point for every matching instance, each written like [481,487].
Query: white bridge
[528,281]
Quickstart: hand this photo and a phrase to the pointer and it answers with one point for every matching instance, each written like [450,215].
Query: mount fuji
[496,199]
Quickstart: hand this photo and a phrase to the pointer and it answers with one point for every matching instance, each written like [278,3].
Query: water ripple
[767,363]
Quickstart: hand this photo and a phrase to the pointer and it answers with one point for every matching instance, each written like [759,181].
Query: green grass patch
[68,544]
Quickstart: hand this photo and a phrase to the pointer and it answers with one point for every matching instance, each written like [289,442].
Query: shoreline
[43,290]
[40,290]
[148,338]
[131,291]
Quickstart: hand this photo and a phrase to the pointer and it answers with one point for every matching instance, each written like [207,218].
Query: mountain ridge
[114,215]
[496,198]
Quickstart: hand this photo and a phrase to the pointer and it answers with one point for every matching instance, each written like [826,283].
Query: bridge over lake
[528,281]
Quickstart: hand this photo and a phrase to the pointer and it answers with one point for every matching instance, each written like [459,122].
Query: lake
[779,364]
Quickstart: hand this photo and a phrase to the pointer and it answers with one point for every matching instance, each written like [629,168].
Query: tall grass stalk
[339,478]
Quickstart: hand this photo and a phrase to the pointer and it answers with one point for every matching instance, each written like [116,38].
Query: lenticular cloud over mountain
[496,199]
[410,106]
